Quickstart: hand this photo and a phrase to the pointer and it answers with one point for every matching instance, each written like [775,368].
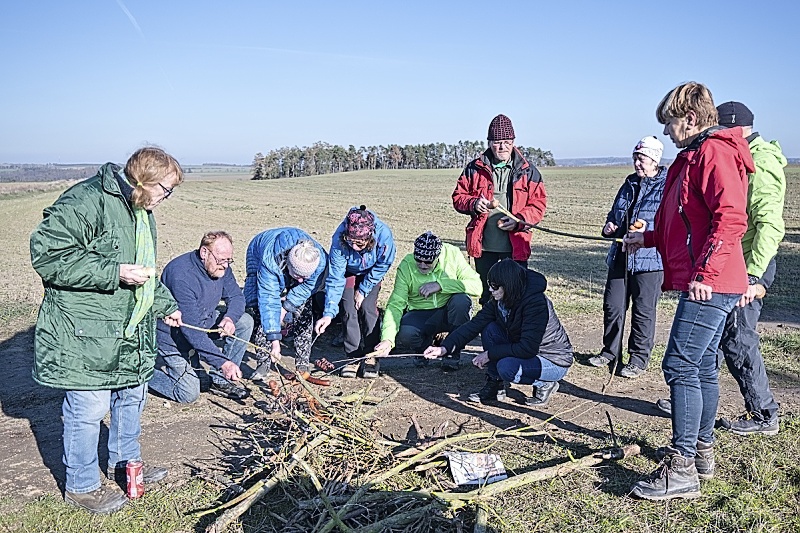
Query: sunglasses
[424,262]
[494,286]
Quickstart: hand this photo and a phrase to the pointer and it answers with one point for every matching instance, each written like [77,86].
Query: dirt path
[184,437]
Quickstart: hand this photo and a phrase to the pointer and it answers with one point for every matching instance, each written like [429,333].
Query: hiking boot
[350,370]
[229,390]
[599,361]
[150,474]
[631,371]
[703,461]
[664,405]
[262,371]
[101,501]
[493,391]
[451,362]
[751,424]
[370,368]
[541,395]
[675,477]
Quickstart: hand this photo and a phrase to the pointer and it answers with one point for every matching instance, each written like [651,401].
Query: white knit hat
[651,147]
[304,258]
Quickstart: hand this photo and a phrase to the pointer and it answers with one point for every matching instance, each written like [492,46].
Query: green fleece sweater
[452,272]
[765,194]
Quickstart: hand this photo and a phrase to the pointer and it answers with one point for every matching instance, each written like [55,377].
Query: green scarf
[145,256]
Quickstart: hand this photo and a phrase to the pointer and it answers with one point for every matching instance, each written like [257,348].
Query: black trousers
[417,328]
[365,319]
[739,346]
[482,266]
[641,293]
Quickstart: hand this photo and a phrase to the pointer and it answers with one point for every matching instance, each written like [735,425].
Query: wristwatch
[752,280]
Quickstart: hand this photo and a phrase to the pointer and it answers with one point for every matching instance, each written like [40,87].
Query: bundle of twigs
[337,473]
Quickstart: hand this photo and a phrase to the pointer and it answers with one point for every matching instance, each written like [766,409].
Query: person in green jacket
[433,286]
[96,330]
[739,345]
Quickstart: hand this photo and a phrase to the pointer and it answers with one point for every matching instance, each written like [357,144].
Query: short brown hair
[690,96]
[210,237]
[146,166]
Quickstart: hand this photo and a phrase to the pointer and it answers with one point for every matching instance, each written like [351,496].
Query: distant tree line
[324,158]
[47,172]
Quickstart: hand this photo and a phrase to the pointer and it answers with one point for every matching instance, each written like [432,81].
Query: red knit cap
[501,129]
[360,223]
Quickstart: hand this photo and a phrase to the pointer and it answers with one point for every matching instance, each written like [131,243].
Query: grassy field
[757,489]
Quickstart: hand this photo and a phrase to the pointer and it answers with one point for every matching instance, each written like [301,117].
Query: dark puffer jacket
[532,327]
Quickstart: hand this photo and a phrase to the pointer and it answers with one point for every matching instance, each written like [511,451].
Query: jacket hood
[761,145]
[536,283]
[731,136]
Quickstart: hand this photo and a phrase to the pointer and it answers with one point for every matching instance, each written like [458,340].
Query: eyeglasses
[500,144]
[424,262]
[494,286]
[227,262]
[167,191]
[360,243]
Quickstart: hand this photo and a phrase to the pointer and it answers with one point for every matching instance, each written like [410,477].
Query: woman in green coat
[95,334]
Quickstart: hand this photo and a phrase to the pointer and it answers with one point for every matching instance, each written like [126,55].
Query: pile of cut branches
[338,473]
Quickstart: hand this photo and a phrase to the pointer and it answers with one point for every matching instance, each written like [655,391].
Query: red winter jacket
[699,226]
[528,201]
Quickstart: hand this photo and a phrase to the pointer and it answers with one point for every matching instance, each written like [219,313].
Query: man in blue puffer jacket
[633,278]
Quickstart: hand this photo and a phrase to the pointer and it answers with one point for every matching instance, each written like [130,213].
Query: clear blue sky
[218,81]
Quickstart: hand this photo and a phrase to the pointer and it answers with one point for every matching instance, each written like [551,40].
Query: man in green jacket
[433,287]
[765,230]
[96,331]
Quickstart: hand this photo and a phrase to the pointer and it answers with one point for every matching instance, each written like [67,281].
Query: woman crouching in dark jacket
[523,340]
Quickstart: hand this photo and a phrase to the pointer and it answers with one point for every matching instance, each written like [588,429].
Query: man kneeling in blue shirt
[199,280]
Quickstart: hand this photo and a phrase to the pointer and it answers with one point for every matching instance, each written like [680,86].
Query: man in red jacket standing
[698,231]
[502,174]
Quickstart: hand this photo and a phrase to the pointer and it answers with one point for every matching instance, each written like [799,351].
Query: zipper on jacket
[708,254]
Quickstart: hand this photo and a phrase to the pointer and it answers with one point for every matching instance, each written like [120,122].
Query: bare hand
[699,291]
[432,352]
[231,371]
[750,294]
[483,206]
[322,324]
[358,299]
[432,287]
[132,274]
[383,348]
[227,326]
[173,320]
[609,229]
[507,224]
[632,242]
[481,360]
[275,352]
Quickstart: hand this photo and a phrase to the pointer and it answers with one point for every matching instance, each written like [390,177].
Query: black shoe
[664,405]
[150,474]
[229,390]
[100,501]
[370,368]
[541,395]
[675,477]
[703,461]
[451,362]
[751,424]
[493,391]
[631,371]
[262,371]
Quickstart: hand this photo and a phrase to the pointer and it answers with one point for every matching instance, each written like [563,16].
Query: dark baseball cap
[734,114]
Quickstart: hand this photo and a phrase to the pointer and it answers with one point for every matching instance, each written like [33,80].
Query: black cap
[734,114]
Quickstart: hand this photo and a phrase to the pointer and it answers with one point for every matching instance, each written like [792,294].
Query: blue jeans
[691,368]
[83,411]
[175,374]
[534,371]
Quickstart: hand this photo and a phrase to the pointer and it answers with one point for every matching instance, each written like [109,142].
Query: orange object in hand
[639,224]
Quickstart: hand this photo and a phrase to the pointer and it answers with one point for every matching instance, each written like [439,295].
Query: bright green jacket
[452,272]
[765,194]
[77,249]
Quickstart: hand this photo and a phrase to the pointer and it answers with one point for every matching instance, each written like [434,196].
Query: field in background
[758,486]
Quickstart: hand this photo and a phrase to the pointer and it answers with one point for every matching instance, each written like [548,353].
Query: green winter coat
[452,272]
[77,250]
[765,194]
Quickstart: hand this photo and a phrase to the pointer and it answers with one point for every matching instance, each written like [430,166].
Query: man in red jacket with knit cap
[501,173]
[698,230]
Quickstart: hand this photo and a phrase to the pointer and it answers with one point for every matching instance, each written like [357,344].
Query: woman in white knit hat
[284,269]
[633,279]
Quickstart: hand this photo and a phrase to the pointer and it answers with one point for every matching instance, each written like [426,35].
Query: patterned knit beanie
[651,147]
[427,247]
[359,224]
[500,129]
[304,258]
